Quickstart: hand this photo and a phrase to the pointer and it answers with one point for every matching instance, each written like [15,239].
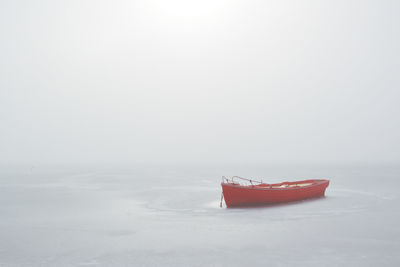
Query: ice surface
[170,216]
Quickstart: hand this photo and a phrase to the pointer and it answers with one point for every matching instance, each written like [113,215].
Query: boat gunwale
[315,182]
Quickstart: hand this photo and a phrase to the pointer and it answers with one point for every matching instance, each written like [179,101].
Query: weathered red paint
[242,195]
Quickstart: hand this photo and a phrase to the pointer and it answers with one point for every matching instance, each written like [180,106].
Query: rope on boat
[222,193]
[250,180]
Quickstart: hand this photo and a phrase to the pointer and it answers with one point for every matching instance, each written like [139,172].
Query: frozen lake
[148,215]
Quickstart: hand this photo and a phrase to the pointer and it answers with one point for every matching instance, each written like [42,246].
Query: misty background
[199,81]
[118,119]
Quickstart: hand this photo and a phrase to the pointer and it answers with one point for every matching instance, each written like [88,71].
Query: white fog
[119,118]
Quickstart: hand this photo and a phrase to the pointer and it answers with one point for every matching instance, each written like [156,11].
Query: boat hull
[239,195]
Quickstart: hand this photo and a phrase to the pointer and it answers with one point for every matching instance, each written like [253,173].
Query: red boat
[259,193]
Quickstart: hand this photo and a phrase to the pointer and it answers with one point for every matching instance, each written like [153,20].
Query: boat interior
[283,185]
[260,184]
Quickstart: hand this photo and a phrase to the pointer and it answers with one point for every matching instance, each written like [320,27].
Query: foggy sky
[199,81]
